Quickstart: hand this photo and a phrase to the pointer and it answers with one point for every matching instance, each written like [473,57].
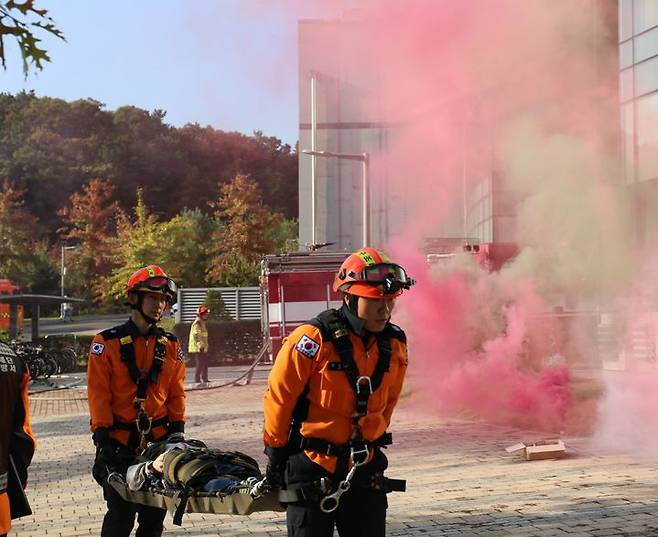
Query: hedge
[230,342]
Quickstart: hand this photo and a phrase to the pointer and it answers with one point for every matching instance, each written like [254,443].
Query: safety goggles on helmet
[392,277]
[158,284]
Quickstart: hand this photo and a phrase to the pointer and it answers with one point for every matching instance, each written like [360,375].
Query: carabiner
[143,423]
[363,381]
[362,453]
[330,503]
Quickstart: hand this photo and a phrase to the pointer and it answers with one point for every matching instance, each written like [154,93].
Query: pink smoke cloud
[524,90]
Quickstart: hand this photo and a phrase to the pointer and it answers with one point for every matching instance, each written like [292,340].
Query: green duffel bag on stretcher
[195,479]
[236,503]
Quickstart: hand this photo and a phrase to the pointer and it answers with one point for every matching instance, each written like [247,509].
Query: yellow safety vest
[198,337]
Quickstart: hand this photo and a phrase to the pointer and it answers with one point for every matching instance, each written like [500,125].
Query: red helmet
[371,274]
[152,279]
[202,309]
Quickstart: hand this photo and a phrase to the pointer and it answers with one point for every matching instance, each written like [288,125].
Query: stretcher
[236,503]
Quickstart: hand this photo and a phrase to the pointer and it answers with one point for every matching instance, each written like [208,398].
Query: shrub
[230,342]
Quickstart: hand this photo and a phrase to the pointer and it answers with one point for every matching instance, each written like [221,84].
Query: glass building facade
[638,93]
[336,87]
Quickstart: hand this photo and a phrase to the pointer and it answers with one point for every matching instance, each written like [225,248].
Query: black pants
[201,371]
[360,513]
[120,517]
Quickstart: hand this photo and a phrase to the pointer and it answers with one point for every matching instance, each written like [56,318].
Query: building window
[626,54]
[645,15]
[646,45]
[626,84]
[647,137]
[625,19]
[646,76]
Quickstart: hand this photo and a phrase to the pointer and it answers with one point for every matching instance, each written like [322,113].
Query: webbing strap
[127,351]
[333,325]
[305,492]
[325,447]
[126,334]
[3,481]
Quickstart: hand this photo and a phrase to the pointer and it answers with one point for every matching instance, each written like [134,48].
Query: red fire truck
[297,286]
[294,288]
[7,287]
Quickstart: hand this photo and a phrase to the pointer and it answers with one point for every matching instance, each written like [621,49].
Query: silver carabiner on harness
[330,503]
[363,381]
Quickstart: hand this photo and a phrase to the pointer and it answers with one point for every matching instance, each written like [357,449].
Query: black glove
[105,451]
[276,466]
[176,432]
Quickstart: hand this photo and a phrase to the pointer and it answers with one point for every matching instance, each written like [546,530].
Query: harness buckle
[143,423]
[341,332]
[363,383]
[138,403]
[359,453]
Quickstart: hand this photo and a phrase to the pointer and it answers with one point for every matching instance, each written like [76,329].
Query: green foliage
[21,20]
[284,236]
[218,310]
[137,244]
[41,273]
[215,199]
[229,342]
[183,246]
[52,148]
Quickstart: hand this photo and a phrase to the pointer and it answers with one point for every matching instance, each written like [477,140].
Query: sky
[230,64]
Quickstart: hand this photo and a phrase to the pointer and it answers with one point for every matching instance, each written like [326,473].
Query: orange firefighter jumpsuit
[111,389]
[302,360]
[16,437]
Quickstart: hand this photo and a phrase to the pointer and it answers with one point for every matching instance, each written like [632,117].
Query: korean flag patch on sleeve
[97,349]
[307,347]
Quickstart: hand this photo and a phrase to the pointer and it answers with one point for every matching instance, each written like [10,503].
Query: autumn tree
[137,243]
[23,256]
[24,21]
[89,221]
[184,241]
[236,249]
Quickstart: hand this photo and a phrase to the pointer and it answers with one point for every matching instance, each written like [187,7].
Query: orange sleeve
[394,390]
[291,372]
[27,427]
[175,402]
[99,378]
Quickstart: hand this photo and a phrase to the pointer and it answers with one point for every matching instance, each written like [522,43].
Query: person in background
[136,392]
[17,441]
[198,345]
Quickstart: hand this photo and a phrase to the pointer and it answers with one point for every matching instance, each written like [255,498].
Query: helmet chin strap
[138,307]
[353,304]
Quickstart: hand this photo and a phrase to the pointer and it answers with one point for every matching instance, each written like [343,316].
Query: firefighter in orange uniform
[136,395]
[330,397]
[17,441]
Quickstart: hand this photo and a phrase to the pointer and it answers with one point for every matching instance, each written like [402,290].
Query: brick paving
[460,480]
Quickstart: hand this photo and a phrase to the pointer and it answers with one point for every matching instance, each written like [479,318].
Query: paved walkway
[460,480]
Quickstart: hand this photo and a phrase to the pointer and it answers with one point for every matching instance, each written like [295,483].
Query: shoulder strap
[127,351]
[170,335]
[394,331]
